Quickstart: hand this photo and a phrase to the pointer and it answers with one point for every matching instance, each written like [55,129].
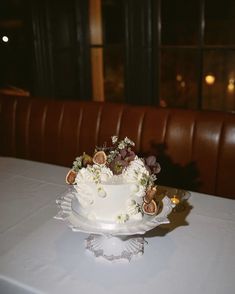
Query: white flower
[93,174]
[77,164]
[141,191]
[84,175]
[105,174]
[121,145]
[84,194]
[136,171]
[101,192]
[138,190]
[114,139]
[132,207]
[122,218]
[129,142]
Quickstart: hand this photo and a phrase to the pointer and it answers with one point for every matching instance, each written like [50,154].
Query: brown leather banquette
[196,149]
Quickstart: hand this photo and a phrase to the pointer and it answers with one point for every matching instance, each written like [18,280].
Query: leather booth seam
[97,131]
[43,128]
[13,134]
[27,122]
[139,131]
[78,129]
[120,116]
[218,157]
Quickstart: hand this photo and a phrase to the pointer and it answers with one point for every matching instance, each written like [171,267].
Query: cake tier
[108,202]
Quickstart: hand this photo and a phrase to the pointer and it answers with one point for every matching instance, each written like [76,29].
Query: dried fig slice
[150,208]
[70,177]
[100,157]
[151,193]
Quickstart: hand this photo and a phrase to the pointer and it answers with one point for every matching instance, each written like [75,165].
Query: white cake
[118,203]
[114,186]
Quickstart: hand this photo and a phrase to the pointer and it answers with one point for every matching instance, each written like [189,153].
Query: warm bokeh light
[231,86]
[183,84]
[179,78]
[210,79]
[5,39]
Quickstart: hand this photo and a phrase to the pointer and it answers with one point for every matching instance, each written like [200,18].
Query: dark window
[197,54]
[180,22]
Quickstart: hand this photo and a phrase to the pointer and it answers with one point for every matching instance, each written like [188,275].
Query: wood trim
[96,38]
[97,74]
[95,13]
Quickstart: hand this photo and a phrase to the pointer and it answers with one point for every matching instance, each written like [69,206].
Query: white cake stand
[113,242]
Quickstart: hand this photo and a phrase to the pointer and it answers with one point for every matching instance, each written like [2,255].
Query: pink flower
[127,154]
[152,165]
[117,165]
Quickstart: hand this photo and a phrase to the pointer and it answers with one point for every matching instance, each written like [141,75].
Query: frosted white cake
[117,203]
[114,186]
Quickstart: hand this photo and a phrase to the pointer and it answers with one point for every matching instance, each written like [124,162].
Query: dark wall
[62,62]
[16,54]
[47,52]
[50,50]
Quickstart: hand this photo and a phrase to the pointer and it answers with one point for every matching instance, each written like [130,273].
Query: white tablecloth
[38,254]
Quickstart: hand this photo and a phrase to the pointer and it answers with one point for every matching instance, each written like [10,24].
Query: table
[38,254]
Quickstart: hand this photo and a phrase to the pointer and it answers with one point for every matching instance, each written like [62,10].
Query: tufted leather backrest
[196,149]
